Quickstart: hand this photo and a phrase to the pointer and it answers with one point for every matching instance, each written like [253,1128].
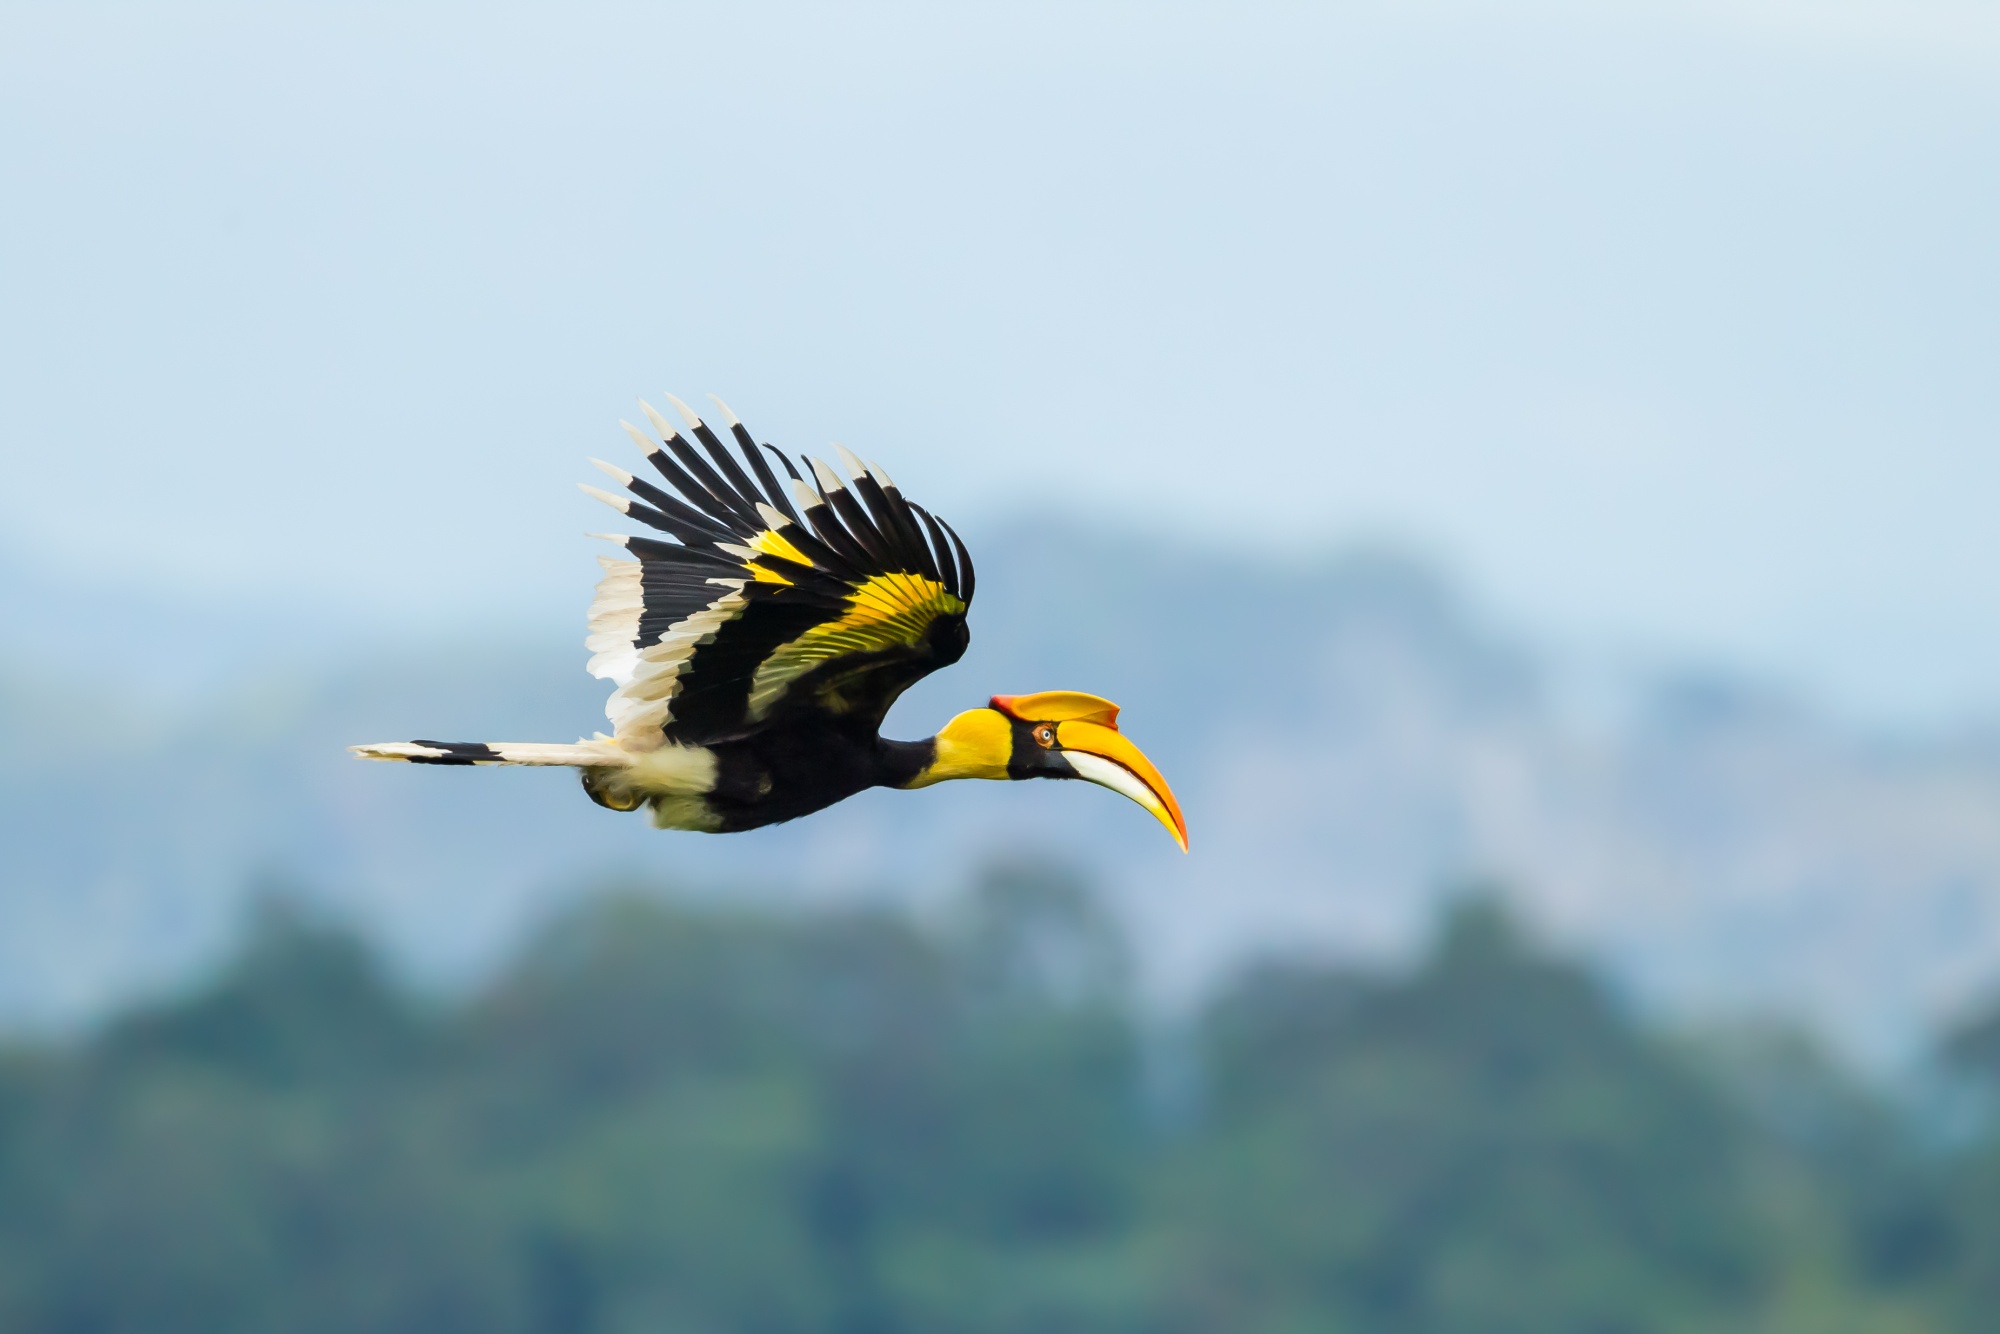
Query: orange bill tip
[1102,755]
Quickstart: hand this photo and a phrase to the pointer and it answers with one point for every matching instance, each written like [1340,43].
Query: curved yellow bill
[1102,755]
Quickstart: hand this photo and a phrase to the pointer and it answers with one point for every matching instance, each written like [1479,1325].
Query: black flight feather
[885,521]
[774,493]
[826,524]
[913,536]
[964,563]
[733,509]
[691,524]
[650,550]
[698,495]
[819,553]
[947,567]
[850,512]
[738,480]
[790,471]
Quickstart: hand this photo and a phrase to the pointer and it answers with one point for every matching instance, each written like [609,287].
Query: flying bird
[756,653]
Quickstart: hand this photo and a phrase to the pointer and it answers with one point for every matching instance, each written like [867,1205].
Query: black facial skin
[1036,753]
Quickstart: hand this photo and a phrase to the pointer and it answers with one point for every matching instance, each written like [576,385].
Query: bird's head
[1056,734]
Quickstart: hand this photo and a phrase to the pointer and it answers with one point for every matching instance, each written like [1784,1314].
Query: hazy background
[1667,326]
[1543,446]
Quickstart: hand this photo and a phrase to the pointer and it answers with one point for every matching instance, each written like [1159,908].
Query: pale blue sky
[1667,327]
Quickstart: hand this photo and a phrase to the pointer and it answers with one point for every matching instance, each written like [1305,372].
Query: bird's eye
[1045,735]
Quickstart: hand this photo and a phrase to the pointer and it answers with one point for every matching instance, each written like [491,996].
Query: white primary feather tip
[660,424]
[619,503]
[687,413]
[829,480]
[647,445]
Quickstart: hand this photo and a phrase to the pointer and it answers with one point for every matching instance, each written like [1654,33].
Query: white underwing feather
[614,620]
[639,708]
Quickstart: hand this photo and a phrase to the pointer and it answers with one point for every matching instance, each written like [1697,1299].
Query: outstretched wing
[759,612]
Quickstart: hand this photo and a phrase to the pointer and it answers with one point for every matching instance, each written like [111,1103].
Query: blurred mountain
[1350,740]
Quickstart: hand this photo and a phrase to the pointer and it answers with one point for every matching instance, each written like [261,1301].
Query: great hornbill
[756,655]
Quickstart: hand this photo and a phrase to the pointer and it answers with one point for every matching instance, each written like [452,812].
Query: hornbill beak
[1082,731]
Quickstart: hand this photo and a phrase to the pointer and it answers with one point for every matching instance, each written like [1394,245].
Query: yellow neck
[976,744]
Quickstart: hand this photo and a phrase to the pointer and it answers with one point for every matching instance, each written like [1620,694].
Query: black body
[780,774]
[772,776]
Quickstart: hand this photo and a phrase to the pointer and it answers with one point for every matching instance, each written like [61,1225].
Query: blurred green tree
[666,1117]
[1486,1146]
